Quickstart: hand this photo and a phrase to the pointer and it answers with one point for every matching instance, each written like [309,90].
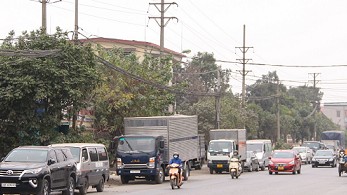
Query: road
[323,180]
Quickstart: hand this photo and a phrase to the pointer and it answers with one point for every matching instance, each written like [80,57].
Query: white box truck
[148,144]
[223,142]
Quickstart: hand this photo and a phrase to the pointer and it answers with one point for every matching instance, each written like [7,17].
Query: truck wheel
[211,171]
[124,179]
[263,167]
[185,174]
[160,177]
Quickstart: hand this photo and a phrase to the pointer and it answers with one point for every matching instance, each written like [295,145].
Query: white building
[337,112]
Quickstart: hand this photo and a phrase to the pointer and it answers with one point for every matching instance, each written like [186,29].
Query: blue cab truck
[148,143]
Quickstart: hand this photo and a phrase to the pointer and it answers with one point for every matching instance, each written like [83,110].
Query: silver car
[305,153]
[252,162]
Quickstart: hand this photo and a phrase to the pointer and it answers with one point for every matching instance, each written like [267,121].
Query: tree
[45,74]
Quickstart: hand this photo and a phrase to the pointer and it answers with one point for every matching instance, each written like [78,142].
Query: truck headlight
[151,162]
[119,163]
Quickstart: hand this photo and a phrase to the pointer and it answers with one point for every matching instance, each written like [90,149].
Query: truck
[333,138]
[148,144]
[223,142]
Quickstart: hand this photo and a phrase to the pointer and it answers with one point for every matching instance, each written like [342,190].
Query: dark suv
[38,170]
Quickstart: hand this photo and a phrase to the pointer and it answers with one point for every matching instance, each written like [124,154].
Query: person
[236,155]
[176,159]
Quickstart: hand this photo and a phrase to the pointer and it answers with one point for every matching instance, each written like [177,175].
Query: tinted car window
[102,154]
[75,151]
[283,155]
[25,155]
[67,154]
[60,155]
[93,154]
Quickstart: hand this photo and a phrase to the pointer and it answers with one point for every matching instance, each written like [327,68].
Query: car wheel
[276,173]
[84,189]
[101,185]
[294,172]
[250,169]
[263,167]
[45,188]
[270,173]
[211,171]
[70,187]
[313,166]
[257,169]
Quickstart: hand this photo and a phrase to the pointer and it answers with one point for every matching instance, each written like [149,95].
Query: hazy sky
[283,32]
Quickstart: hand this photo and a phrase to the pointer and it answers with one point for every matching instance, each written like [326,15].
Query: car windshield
[283,155]
[255,147]
[300,150]
[220,146]
[324,153]
[311,145]
[75,151]
[136,144]
[27,155]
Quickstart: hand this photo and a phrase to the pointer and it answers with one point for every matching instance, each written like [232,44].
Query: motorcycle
[175,176]
[342,163]
[235,168]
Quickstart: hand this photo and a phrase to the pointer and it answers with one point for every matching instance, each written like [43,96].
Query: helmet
[175,155]
[236,152]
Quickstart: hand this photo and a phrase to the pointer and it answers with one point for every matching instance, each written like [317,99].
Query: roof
[130,42]
[77,145]
[335,104]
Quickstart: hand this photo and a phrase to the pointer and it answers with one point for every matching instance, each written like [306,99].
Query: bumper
[286,168]
[323,163]
[219,166]
[138,172]
[30,185]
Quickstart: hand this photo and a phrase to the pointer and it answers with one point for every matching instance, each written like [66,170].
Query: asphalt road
[322,180]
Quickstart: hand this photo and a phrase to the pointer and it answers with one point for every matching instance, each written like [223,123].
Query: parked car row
[55,168]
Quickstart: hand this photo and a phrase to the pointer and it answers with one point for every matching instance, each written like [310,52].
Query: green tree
[45,74]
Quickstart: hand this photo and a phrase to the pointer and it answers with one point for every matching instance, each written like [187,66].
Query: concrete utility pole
[244,61]
[162,19]
[44,16]
[278,112]
[76,21]
[218,99]
[162,25]
[315,102]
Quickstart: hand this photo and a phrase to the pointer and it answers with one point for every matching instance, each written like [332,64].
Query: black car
[324,158]
[38,170]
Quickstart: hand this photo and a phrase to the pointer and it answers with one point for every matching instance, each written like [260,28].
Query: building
[139,48]
[337,112]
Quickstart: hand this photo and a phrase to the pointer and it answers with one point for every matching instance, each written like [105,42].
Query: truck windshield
[136,144]
[220,147]
[255,147]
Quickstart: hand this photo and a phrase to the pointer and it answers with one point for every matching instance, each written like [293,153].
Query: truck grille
[15,173]
[135,166]
[219,161]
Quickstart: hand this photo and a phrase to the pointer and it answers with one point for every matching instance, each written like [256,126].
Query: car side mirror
[51,161]
[83,159]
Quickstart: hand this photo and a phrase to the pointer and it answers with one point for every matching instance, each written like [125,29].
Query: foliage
[34,90]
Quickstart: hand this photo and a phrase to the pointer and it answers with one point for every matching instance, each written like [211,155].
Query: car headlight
[33,171]
[331,159]
[291,162]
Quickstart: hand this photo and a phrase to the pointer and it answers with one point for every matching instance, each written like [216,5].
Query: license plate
[321,162]
[280,168]
[219,166]
[8,185]
[135,171]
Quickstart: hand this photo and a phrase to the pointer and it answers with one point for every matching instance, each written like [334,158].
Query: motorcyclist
[237,156]
[176,159]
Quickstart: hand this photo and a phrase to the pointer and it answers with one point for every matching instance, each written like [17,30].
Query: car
[305,153]
[284,161]
[93,168]
[38,170]
[252,162]
[314,145]
[324,158]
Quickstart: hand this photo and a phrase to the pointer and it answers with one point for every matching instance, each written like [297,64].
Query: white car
[306,154]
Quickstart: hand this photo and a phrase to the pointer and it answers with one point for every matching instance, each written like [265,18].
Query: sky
[295,38]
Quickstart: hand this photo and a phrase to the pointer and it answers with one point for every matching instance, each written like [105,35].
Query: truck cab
[140,156]
[218,155]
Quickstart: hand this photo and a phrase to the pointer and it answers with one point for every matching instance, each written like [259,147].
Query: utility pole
[244,61]
[44,16]
[76,21]
[162,25]
[315,102]
[218,97]
[162,19]
[278,112]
